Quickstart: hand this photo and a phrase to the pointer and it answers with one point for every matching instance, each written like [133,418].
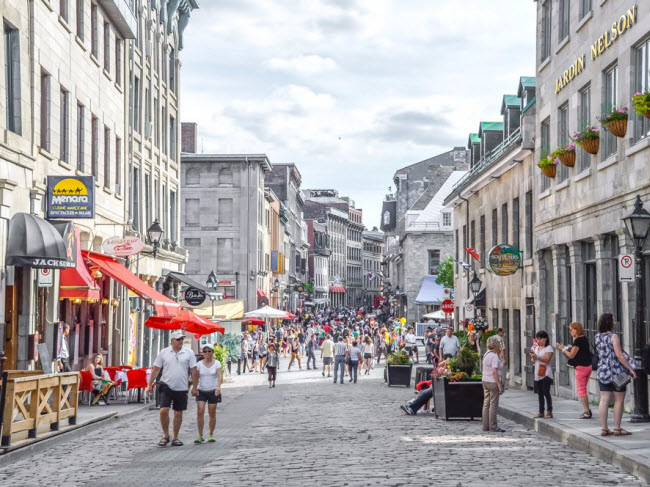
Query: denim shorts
[610,387]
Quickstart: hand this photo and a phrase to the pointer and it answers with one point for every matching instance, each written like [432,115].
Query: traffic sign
[45,278]
[446,292]
[626,268]
[469,310]
[447,306]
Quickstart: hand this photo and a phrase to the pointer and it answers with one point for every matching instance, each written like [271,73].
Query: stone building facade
[354,256]
[223,221]
[597,59]
[319,254]
[373,252]
[493,205]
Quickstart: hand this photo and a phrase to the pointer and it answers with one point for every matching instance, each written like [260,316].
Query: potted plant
[548,165]
[615,121]
[588,139]
[458,393]
[567,155]
[398,369]
[641,102]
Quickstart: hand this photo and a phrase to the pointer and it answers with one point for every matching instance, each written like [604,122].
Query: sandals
[163,441]
[621,432]
[605,432]
[177,442]
[585,415]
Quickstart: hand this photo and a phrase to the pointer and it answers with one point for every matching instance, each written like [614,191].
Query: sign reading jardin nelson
[600,45]
[70,197]
[504,260]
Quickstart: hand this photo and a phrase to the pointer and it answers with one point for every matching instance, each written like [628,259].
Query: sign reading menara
[70,197]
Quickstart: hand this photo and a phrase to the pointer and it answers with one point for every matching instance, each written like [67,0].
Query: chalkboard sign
[194,297]
[45,357]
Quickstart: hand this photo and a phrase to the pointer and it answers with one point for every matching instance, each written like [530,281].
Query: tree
[446,272]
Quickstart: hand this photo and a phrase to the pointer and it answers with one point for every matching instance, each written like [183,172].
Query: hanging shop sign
[70,197]
[194,297]
[504,260]
[122,246]
[600,45]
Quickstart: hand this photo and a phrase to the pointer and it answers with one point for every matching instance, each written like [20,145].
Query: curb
[45,442]
[628,461]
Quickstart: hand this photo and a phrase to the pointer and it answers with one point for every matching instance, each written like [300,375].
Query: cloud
[305,64]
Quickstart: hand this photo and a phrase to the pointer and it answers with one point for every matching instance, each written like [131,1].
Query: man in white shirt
[64,352]
[176,363]
[449,345]
[410,344]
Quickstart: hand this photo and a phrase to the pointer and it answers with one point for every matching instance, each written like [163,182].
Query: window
[585,8]
[590,292]
[584,119]
[45,110]
[192,212]
[472,234]
[515,223]
[610,85]
[147,200]
[94,147]
[481,253]
[224,255]
[147,113]
[172,138]
[107,157]
[136,198]
[193,176]
[516,340]
[495,228]
[63,9]
[457,251]
[446,219]
[529,224]
[81,136]
[225,176]
[172,216]
[546,31]
[12,78]
[163,75]
[118,166]
[65,125]
[641,85]
[565,13]
[506,329]
[562,137]
[136,104]
[164,130]
[94,41]
[545,133]
[225,208]
[80,19]
[156,124]
[465,255]
[118,61]
[165,207]
[434,262]
[107,47]
[504,223]
[172,70]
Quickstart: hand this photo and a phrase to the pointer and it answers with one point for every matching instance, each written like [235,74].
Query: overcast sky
[351,90]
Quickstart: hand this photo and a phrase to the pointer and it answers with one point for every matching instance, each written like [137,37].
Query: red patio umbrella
[187,321]
[253,322]
[290,315]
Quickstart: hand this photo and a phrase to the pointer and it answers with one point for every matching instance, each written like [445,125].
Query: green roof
[528,81]
[491,126]
[474,139]
[511,100]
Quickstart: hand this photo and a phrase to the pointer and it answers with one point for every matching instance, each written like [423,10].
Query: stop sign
[447,306]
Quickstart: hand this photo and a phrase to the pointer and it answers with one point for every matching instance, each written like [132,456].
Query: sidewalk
[631,453]
[86,416]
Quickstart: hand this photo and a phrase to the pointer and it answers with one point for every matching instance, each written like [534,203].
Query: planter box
[458,399]
[399,375]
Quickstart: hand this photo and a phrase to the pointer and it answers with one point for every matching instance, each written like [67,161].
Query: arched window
[386,218]
[225,176]
[192,176]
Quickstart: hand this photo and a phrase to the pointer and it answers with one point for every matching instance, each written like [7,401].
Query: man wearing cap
[176,362]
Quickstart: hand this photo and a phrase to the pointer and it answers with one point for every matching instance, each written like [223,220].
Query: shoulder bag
[594,358]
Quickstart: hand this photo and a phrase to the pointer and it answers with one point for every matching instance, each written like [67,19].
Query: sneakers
[498,430]
[211,439]
[199,440]
[407,409]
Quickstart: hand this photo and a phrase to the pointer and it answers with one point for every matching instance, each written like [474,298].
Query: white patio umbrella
[267,313]
[437,315]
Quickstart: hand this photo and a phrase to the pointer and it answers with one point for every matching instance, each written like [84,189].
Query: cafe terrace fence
[31,399]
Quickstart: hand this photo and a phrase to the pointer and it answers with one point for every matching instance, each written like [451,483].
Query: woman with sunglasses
[207,390]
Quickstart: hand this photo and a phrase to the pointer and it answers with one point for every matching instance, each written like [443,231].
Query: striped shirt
[340,348]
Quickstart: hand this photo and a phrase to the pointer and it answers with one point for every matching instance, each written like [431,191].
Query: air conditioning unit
[148,130]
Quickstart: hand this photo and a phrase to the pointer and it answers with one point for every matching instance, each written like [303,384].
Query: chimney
[188,137]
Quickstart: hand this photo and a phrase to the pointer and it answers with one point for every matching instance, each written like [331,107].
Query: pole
[640,413]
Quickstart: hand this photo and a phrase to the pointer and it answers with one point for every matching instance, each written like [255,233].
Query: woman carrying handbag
[542,357]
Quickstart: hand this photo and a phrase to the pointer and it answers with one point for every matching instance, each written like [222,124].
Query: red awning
[261,294]
[76,282]
[337,289]
[164,306]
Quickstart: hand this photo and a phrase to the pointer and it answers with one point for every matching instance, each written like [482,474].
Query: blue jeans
[339,364]
[354,369]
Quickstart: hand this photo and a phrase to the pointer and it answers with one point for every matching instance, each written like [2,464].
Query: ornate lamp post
[154,234]
[637,225]
[212,283]
[475,286]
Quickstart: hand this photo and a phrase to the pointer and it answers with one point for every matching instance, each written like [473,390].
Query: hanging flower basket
[641,102]
[549,171]
[618,128]
[588,139]
[567,155]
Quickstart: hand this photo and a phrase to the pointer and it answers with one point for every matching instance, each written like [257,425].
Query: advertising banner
[70,197]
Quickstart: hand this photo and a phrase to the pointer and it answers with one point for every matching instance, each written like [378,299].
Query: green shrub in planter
[399,358]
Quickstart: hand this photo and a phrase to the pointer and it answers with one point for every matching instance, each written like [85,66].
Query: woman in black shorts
[272,364]
[207,390]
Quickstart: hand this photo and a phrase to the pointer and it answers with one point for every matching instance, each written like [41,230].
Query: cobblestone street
[308,431]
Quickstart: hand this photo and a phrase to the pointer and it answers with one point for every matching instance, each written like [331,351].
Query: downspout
[248,228]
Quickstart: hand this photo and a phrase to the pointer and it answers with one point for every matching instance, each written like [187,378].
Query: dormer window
[446,219]
[386,218]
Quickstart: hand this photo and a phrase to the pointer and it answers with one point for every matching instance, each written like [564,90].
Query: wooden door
[13,302]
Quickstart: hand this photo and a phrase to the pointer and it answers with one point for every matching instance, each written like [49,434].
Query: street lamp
[475,286]
[637,225]
[213,283]
[154,234]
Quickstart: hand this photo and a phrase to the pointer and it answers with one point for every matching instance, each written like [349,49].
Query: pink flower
[570,147]
[637,94]
[556,161]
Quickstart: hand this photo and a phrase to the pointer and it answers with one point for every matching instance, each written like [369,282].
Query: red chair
[137,380]
[86,383]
